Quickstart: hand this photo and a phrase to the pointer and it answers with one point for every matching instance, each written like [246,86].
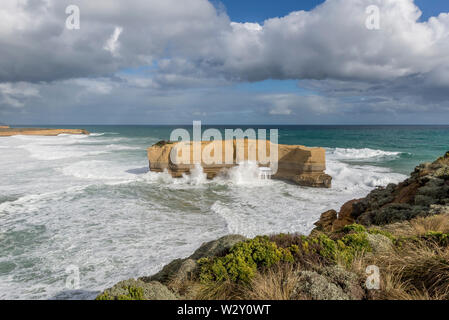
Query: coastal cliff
[424,193]
[301,165]
[6,131]
[402,231]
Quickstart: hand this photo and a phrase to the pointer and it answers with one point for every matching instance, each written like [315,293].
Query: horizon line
[227,124]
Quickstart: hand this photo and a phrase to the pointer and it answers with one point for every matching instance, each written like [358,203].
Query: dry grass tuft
[226,290]
[277,283]
[420,226]
[416,271]
[186,288]
[439,223]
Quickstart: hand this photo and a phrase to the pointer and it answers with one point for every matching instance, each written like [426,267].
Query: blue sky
[260,10]
[228,62]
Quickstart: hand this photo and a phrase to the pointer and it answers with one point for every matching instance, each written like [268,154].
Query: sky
[224,62]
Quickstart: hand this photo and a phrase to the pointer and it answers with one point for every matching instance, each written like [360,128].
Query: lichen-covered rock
[379,243]
[312,285]
[328,283]
[442,173]
[439,209]
[137,290]
[348,281]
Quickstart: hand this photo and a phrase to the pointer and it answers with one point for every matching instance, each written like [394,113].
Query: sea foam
[87,202]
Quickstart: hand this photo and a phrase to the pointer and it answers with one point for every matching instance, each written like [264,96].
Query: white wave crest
[360,178]
[361,154]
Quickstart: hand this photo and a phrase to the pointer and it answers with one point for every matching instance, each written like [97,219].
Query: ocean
[87,206]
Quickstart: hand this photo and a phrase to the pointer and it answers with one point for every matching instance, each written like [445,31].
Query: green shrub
[440,238]
[354,228]
[134,293]
[243,260]
[382,232]
[343,249]
[352,244]
[356,241]
[327,246]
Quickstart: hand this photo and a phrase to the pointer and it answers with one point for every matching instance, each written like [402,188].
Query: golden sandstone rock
[6,131]
[301,165]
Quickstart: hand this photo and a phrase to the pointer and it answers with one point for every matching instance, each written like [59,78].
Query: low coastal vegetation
[402,229]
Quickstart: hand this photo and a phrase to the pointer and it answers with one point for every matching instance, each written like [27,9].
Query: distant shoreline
[7,132]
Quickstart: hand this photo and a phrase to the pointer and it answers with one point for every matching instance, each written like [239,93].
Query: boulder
[217,247]
[329,283]
[326,221]
[179,270]
[379,243]
[345,216]
[331,221]
[311,285]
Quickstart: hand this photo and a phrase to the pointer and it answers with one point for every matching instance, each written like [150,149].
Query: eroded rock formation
[302,165]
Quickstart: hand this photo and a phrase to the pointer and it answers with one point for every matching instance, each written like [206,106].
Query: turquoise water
[90,203]
[415,143]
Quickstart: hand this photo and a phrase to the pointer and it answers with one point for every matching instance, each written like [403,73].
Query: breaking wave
[361,154]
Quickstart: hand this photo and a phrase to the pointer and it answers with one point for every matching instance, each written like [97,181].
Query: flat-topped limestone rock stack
[301,165]
[6,131]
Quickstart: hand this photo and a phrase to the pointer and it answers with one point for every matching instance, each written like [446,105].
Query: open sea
[87,205]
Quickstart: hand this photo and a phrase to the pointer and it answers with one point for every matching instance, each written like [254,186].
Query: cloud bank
[188,56]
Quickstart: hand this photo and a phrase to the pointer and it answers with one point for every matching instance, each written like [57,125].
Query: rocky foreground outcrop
[302,165]
[7,132]
[399,233]
[425,193]
[155,287]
